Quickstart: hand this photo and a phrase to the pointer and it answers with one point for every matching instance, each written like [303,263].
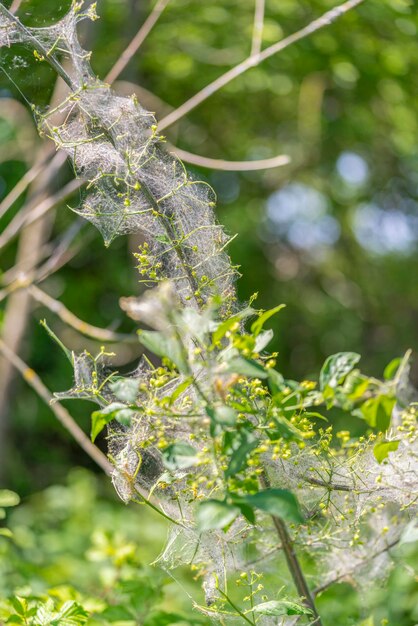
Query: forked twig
[255,59]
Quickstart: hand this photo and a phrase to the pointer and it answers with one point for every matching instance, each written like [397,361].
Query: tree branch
[136,42]
[255,59]
[232,166]
[59,411]
[100,334]
[258,27]
[292,559]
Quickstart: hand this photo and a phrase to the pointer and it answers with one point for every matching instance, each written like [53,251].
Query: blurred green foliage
[75,542]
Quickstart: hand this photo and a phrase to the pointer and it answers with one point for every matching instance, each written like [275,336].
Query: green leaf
[381,450]
[164,346]
[8,498]
[15,619]
[247,511]
[246,367]
[214,514]
[179,456]
[71,614]
[281,607]
[224,415]
[257,326]
[336,367]
[276,381]
[391,368]
[125,389]
[117,613]
[239,457]
[279,502]
[99,419]
[263,340]
[6,532]
[225,326]
[180,388]
[283,428]
[378,412]
[17,605]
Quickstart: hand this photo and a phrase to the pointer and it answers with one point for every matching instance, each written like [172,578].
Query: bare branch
[71,426]
[232,166]
[100,334]
[258,26]
[137,41]
[31,214]
[255,59]
[351,571]
[15,6]
[59,411]
[21,186]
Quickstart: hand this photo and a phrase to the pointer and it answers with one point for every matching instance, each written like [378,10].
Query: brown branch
[37,209]
[100,334]
[292,560]
[258,27]
[255,59]
[21,186]
[59,411]
[136,42]
[232,166]
[71,426]
[15,6]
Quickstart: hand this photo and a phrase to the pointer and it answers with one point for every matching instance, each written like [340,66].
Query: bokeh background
[333,234]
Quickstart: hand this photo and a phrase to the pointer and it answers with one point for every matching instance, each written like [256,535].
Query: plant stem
[292,560]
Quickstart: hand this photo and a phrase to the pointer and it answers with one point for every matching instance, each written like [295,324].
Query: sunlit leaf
[336,367]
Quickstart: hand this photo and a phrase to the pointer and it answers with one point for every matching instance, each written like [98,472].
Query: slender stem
[292,560]
[232,166]
[347,573]
[15,6]
[254,60]
[100,334]
[59,411]
[136,42]
[33,213]
[38,46]
[258,26]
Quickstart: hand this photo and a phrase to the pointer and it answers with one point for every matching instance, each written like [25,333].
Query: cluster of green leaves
[71,556]
[218,377]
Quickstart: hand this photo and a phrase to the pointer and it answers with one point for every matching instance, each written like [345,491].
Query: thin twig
[59,411]
[255,59]
[71,426]
[292,560]
[232,166]
[337,579]
[258,27]
[136,42]
[100,334]
[31,214]
[15,6]
[21,187]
